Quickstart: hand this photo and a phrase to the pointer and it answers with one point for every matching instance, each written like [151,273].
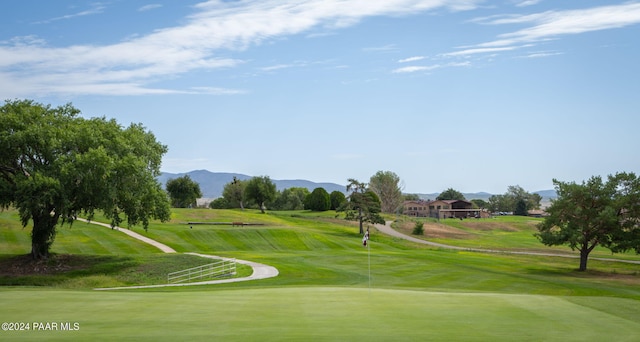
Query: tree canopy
[183,192]
[56,165]
[291,198]
[260,190]
[318,200]
[411,197]
[509,201]
[337,199]
[594,213]
[233,193]
[451,194]
[479,203]
[363,205]
[386,185]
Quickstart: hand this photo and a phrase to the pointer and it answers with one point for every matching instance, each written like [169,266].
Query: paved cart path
[260,271]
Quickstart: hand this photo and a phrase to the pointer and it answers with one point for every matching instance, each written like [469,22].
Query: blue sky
[469,94]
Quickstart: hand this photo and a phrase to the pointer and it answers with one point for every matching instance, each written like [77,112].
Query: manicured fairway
[418,293]
[318,314]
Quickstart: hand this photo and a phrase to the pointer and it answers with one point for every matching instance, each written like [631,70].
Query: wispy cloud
[216,91]
[552,25]
[414,68]
[526,3]
[277,67]
[96,8]
[541,54]
[384,48]
[474,51]
[411,59]
[134,65]
[149,7]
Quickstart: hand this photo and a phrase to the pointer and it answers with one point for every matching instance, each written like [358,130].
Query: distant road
[386,229]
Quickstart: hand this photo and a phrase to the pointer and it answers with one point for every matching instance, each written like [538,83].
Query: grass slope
[319,314]
[323,291]
[515,233]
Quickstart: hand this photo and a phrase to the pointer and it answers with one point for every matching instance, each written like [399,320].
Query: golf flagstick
[365,241]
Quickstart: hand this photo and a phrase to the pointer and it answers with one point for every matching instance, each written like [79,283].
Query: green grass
[515,233]
[79,238]
[91,271]
[320,314]
[323,291]
[108,258]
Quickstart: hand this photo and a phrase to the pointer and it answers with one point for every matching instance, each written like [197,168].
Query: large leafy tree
[56,165]
[233,193]
[183,192]
[362,204]
[261,190]
[516,193]
[594,213]
[450,194]
[386,185]
[509,200]
[291,199]
[318,200]
[521,208]
[479,203]
[337,199]
[410,197]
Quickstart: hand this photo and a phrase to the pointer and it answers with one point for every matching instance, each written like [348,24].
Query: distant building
[442,209]
[537,213]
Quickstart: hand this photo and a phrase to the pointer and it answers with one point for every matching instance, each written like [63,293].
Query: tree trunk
[360,219]
[43,234]
[584,257]
[584,254]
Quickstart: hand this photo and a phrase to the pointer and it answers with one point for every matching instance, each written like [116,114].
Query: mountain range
[212,184]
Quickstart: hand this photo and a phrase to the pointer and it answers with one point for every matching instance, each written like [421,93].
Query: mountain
[469,196]
[212,183]
[545,194]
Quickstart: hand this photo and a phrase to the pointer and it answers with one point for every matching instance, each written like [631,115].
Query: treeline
[260,193]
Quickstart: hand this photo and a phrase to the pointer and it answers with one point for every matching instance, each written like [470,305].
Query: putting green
[315,313]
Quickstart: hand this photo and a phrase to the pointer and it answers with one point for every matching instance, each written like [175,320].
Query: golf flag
[365,238]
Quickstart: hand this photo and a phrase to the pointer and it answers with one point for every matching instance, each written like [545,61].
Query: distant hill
[469,196]
[212,183]
[546,195]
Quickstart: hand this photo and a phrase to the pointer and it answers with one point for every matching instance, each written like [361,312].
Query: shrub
[219,203]
[418,229]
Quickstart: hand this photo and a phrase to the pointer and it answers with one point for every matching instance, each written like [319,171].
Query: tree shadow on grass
[23,270]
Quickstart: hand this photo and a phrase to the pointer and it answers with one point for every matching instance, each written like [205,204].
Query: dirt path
[260,271]
[386,229]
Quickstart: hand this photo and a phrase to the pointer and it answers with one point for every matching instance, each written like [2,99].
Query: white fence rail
[226,267]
